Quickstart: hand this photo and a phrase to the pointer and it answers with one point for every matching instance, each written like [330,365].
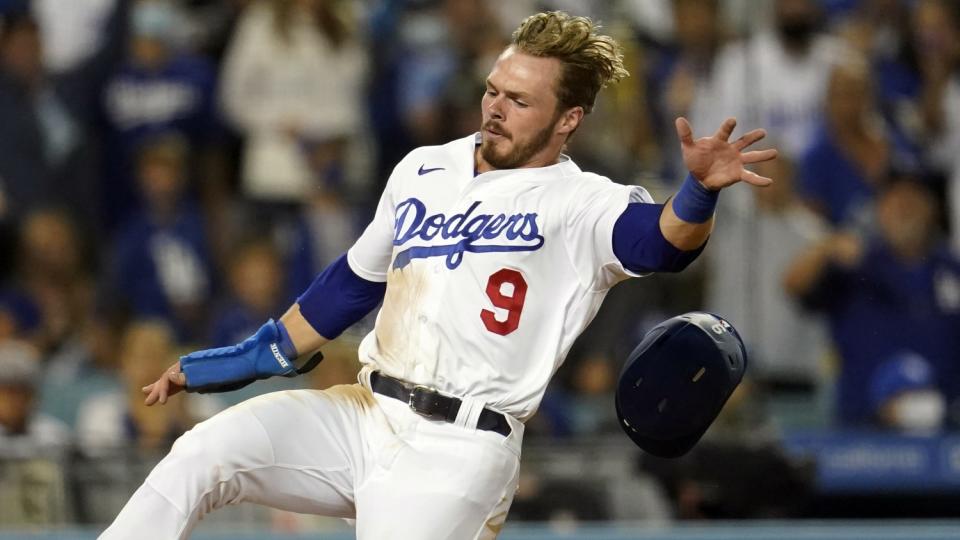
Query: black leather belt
[430,403]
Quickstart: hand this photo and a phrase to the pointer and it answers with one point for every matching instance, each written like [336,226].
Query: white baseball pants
[342,452]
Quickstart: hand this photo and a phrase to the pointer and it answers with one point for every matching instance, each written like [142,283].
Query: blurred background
[174,172]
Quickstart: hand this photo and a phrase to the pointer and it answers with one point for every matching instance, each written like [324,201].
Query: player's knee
[198,473]
[195,450]
[223,443]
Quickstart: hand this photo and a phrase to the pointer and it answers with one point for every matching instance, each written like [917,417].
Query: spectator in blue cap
[897,289]
[904,395]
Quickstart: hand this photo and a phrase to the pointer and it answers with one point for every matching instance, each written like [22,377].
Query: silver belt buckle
[413,392]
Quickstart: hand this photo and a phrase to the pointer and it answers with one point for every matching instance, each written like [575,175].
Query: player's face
[522,124]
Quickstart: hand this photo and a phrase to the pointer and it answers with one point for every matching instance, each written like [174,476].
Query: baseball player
[490,254]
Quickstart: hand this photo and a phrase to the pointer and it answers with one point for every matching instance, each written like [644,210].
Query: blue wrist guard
[267,353]
[694,203]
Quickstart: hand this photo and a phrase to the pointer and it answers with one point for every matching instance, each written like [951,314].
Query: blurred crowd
[174,172]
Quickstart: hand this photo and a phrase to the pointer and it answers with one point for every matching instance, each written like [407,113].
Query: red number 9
[512,303]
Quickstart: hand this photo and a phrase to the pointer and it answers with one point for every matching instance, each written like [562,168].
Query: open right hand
[716,162]
[171,382]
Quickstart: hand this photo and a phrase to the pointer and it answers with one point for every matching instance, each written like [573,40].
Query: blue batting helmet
[675,382]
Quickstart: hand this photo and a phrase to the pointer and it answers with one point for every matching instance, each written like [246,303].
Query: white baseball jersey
[490,277]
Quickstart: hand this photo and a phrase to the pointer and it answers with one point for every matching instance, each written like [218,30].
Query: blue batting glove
[267,353]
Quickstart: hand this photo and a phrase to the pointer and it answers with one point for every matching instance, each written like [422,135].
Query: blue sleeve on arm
[640,246]
[337,298]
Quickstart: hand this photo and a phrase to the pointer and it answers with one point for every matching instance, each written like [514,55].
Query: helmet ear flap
[677,380]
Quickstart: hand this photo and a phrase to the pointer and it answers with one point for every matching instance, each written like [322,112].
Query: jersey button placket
[440,275]
[430,313]
[439,281]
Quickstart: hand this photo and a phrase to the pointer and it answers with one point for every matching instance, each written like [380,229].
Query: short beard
[521,153]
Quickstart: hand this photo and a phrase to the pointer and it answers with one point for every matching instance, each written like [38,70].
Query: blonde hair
[590,61]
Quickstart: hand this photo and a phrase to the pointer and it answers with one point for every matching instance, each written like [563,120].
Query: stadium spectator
[938,43]
[39,139]
[775,78]
[255,281]
[161,262]
[24,431]
[85,365]
[905,395]
[851,153]
[899,290]
[159,88]
[117,421]
[915,50]
[54,276]
[82,44]
[293,83]
[764,229]
[32,445]
[886,30]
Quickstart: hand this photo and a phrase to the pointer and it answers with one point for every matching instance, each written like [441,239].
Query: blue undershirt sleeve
[337,298]
[640,246]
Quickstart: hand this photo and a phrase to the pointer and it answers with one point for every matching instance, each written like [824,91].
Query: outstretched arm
[336,299]
[231,368]
[340,296]
[668,237]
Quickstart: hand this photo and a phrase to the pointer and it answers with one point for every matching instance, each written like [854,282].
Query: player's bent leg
[289,450]
[198,474]
[439,488]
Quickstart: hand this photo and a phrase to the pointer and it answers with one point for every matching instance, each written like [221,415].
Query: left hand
[171,382]
[717,163]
